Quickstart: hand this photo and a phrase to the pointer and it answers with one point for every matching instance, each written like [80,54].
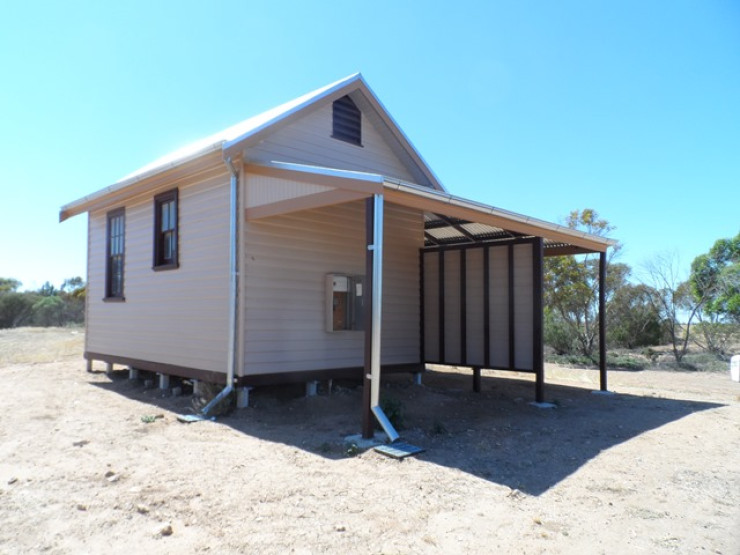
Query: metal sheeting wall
[479,306]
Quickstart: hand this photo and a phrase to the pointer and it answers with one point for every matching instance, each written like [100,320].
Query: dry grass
[39,345]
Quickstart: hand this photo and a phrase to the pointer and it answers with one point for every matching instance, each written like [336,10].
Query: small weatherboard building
[313,242]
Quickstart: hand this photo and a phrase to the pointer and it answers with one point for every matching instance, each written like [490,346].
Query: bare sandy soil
[87,465]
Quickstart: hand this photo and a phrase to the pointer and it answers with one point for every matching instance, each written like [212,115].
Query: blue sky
[630,107]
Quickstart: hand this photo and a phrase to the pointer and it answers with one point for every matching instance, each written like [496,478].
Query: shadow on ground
[495,434]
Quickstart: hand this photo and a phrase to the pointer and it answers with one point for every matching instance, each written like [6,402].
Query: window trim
[157,255]
[109,297]
[349,107]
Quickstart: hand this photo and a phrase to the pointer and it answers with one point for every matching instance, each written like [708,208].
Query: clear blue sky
[630,107]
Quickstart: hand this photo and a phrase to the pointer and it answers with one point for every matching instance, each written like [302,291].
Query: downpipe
[233,287]
[377,305]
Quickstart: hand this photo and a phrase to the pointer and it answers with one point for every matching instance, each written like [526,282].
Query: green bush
[558,335]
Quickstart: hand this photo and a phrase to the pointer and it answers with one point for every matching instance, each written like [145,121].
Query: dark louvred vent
[347,121]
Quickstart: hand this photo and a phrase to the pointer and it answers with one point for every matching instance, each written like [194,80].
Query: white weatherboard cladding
[261,190]
[474,307]
[308,141]
[286,259]
[177,316]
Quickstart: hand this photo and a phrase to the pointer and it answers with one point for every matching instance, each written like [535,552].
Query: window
[347,121]
[165,231]
[115,238]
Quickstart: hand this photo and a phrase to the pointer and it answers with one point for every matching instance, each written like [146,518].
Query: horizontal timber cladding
[478,298]
[309,141]
[286,260]
[179,317]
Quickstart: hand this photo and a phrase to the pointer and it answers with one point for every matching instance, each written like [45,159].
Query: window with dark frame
[115,249]
[347,121]
[165,231]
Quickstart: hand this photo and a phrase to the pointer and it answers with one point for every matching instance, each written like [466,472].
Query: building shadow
[496,434]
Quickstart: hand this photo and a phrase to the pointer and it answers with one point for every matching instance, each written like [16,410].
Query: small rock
[142,509]
[80,443]
[341,528]
[112,476]
[81,507]
[165,530]
[12,481]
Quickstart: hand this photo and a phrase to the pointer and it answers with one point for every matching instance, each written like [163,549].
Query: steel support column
[367,417]
[538,319]
[602,321]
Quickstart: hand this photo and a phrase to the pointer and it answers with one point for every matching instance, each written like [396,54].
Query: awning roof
[448,219]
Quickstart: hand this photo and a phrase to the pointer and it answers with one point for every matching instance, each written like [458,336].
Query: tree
[715,285]
[572,285]
[9,285]
[632,318]
[49,311]
[673,300]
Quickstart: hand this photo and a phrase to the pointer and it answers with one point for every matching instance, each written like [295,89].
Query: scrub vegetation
[48,306]
[698,314]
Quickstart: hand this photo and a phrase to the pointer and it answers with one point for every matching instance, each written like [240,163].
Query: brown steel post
[538,319]
[463,309]
[512,338]
[486,309]
[602,321]
[441,300]
[367,416]
[476,379]
[422,330]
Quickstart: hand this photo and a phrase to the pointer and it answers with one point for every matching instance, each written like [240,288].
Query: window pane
[173,217]
[168,246]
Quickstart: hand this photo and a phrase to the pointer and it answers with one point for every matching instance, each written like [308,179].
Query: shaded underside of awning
[442,231]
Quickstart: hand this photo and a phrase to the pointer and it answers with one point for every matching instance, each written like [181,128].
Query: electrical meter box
[735,368]
[344,302]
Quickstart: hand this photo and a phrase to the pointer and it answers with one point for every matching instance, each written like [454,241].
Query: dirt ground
[91,463]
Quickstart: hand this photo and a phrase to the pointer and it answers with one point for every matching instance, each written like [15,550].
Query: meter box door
[344,302]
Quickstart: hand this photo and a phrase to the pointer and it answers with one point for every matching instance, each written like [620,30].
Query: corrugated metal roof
[241,130]
[232,137]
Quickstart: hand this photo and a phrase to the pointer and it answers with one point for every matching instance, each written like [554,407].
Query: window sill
[165,267]
[348,141]
[114,299]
